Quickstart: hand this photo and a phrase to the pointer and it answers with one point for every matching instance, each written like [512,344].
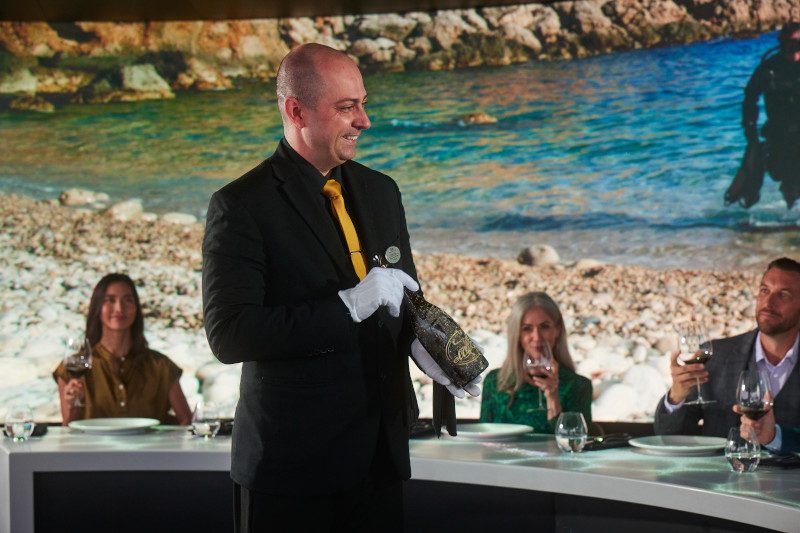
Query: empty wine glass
[695,347]
[753,393]
[205,420]
[571,431]
[19,422]
[743,454]
[78,360]
[536,363]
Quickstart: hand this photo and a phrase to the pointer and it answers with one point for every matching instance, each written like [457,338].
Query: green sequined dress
[574,391]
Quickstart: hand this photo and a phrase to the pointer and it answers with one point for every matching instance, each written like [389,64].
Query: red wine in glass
[700,357]
[695,346]
[536,363]
[753,393]
[754,411]
[76,371]
[78,360]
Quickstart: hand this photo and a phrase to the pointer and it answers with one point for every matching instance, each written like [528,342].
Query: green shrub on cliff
[10,63]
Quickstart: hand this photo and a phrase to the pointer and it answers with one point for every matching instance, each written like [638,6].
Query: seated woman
[127,379]
[511,393]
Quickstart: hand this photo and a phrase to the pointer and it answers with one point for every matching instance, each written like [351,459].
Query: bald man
[320,439]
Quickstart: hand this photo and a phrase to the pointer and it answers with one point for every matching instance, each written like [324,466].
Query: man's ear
[294,111]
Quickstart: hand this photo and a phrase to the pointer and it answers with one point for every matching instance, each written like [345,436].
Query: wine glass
[205,420]
[536,362]
[753,393]
[19,422]
[695,346]
[743,454]
[78,360]
[571,431]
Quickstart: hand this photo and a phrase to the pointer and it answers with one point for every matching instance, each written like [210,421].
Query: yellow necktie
[333,191]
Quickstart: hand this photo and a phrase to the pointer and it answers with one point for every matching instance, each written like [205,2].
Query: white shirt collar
[791,355]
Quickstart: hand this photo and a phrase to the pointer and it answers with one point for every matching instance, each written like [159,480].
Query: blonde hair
[510,377]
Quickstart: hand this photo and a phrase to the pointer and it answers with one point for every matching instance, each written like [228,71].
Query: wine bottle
[452,349]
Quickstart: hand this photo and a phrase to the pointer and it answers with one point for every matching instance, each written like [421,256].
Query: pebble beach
[620,318]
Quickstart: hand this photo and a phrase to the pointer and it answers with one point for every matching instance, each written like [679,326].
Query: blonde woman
[511,393]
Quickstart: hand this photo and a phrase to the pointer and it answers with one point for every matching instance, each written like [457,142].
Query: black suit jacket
[731,356]
[316,388]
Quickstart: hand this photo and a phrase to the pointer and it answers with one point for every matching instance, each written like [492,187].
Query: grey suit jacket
[731,356]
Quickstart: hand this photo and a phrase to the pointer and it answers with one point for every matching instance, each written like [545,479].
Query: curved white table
[770,497]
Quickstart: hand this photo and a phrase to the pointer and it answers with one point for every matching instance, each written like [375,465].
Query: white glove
[381,286]
[435,372]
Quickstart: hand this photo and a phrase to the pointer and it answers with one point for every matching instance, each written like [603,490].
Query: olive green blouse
[140,390]
[574,391]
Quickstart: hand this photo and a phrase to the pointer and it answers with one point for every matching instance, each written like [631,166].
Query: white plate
[679,444]
[113,426]
[491,431]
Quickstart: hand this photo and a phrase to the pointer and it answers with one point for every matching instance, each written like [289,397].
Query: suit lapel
[743,355]
[788,392]
[303,198]
[730,361]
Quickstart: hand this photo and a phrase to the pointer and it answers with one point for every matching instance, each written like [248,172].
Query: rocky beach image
[620,318]
[576,147]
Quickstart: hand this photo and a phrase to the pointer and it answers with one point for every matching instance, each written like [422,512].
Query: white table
[63,450]
[769,497]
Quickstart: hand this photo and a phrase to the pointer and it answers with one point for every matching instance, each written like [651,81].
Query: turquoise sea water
[622,157]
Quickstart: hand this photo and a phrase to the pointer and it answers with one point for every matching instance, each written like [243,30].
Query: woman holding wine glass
[537,380]
[112,373]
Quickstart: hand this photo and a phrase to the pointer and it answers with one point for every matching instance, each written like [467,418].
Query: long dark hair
[94,326]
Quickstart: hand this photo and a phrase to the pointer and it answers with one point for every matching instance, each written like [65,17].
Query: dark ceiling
[147,10]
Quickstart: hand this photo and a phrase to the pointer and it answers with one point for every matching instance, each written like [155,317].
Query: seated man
[772,347]
[772,436]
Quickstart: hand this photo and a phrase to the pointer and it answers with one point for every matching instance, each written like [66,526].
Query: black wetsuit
[778,79]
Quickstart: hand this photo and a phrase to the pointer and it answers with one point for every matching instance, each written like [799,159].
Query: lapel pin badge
[392,254]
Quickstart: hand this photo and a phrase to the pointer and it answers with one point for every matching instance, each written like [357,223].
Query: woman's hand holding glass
[77,361]
[74,392]
[541,371]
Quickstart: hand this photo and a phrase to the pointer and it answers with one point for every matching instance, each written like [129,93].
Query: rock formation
[104,61]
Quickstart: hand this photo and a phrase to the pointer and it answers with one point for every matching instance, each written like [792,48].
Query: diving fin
[745,189]
[444,410]
[791,192]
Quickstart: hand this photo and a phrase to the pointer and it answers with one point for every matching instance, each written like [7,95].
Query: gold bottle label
[459,349]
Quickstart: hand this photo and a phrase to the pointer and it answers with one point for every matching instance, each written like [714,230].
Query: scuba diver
[777,77]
